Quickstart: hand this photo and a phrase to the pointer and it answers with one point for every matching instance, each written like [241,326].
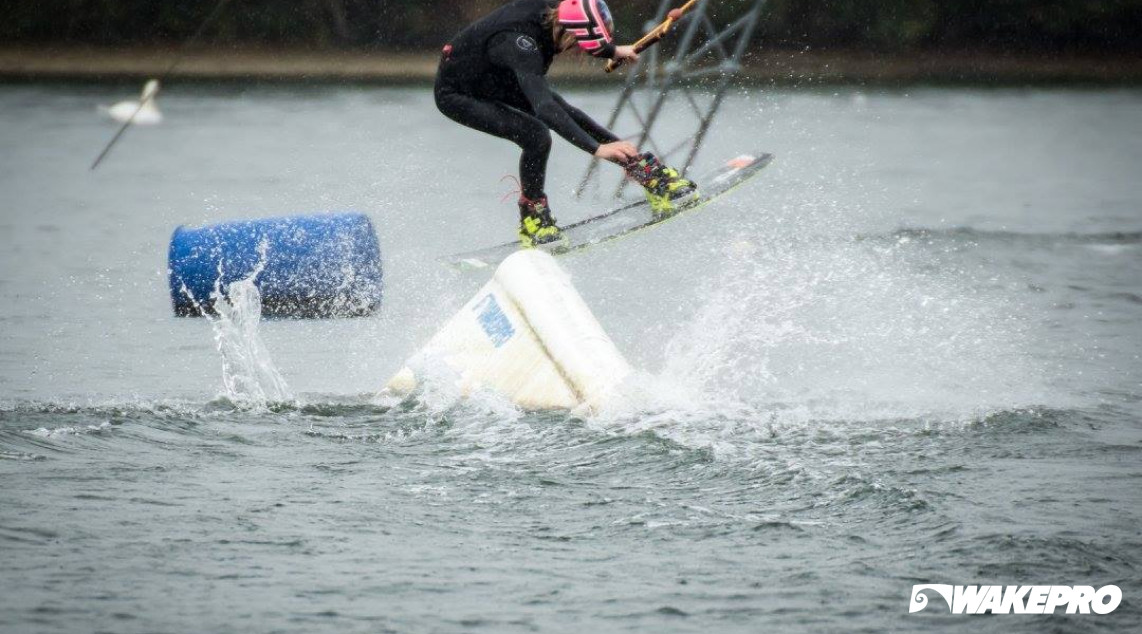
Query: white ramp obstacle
[529,336]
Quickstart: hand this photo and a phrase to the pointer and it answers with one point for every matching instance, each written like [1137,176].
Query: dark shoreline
[791,68]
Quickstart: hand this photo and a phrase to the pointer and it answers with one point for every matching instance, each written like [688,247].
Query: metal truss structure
[704,52]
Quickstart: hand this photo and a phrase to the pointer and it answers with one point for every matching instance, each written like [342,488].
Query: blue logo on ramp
[494,322]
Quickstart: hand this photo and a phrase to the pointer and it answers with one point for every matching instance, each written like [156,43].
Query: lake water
[908,353]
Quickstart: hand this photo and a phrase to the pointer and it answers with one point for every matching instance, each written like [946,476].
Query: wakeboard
[625,220]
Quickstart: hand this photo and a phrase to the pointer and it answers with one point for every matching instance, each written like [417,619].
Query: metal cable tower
[703,51]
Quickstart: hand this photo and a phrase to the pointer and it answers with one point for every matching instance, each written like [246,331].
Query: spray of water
[845,329]
[830,336]
[249,377]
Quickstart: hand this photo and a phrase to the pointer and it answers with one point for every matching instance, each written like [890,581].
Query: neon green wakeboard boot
[536,224]
[666,191]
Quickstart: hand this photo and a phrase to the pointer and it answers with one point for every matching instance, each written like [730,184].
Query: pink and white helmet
[591,23]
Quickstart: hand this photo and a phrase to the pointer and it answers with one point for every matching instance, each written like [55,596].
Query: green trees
[1019,25]
[881,25]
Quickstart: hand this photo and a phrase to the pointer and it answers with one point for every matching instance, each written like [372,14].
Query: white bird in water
[147,115]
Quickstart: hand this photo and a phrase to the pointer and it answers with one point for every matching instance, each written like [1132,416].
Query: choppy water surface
[910,353]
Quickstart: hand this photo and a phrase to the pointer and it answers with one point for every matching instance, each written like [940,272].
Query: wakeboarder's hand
[626,54]
[617,152]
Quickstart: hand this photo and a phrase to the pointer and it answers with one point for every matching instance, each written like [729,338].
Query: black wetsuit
[492,78]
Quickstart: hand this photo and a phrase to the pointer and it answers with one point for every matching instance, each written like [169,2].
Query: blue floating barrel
[326,265]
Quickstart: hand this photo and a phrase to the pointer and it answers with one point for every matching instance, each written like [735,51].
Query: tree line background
[1018,26]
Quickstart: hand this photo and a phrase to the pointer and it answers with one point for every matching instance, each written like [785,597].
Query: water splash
[851,331]
[249,376]
[471,410]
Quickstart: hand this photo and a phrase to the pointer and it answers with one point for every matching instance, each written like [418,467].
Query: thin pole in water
[162,78]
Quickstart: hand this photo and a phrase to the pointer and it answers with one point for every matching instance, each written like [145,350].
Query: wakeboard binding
[536,224]
[666,190]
